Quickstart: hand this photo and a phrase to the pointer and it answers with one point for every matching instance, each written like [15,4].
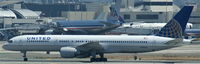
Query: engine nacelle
[68,52]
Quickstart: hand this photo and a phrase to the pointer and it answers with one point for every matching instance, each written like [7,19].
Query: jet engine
[68,52]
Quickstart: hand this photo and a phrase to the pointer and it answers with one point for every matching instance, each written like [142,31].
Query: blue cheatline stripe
[176,27]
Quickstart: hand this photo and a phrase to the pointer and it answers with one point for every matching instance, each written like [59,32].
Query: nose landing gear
[24,56]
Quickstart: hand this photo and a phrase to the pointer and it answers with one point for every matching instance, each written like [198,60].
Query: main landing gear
[135,57]
[24,56]
[48,52]
[101,59]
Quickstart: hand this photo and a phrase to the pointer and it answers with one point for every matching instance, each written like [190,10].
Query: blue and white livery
[71,46]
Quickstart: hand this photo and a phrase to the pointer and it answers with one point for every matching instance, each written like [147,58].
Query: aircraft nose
[5,46]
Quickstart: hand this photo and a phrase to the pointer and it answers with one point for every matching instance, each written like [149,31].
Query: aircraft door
[22,44]
[153,44]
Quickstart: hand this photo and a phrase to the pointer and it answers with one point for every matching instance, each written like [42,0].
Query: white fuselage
[150,25]
[110,43]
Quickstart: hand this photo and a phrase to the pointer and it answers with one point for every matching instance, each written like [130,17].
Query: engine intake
[68,52]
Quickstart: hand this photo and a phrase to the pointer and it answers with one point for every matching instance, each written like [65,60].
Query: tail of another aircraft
[114,12]
[176,27]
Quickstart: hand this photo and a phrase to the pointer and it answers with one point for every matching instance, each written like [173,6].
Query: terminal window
[145,16]
[159,3]
[194,16]
[127,16]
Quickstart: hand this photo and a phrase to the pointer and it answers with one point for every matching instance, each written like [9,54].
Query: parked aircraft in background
[149,25]
[142,28]
[90,27]
[71,46]
[83,27]
[192,33]
[7,33]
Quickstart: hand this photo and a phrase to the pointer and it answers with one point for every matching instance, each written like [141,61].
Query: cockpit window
[10,41]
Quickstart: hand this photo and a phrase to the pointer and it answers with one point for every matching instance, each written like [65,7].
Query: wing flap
[91,46]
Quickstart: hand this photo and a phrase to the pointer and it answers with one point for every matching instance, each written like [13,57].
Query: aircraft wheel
[25,59]
[93,60]
[103,59]
[135,57]
[98,60]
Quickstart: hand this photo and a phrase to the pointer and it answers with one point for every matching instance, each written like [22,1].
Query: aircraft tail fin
[114,12]
[176,26]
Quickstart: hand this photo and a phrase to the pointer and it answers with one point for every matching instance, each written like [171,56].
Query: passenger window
[10,41]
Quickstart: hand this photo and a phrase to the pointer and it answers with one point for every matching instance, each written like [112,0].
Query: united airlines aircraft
[71,46]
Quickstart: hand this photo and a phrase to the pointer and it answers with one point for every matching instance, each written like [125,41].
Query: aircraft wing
[87,30]
[89,47]
[7,29]
[74,31]
[174,42]
[107,23]
[107,29]
[93,30]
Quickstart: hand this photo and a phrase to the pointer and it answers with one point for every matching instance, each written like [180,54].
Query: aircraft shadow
[87,61]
